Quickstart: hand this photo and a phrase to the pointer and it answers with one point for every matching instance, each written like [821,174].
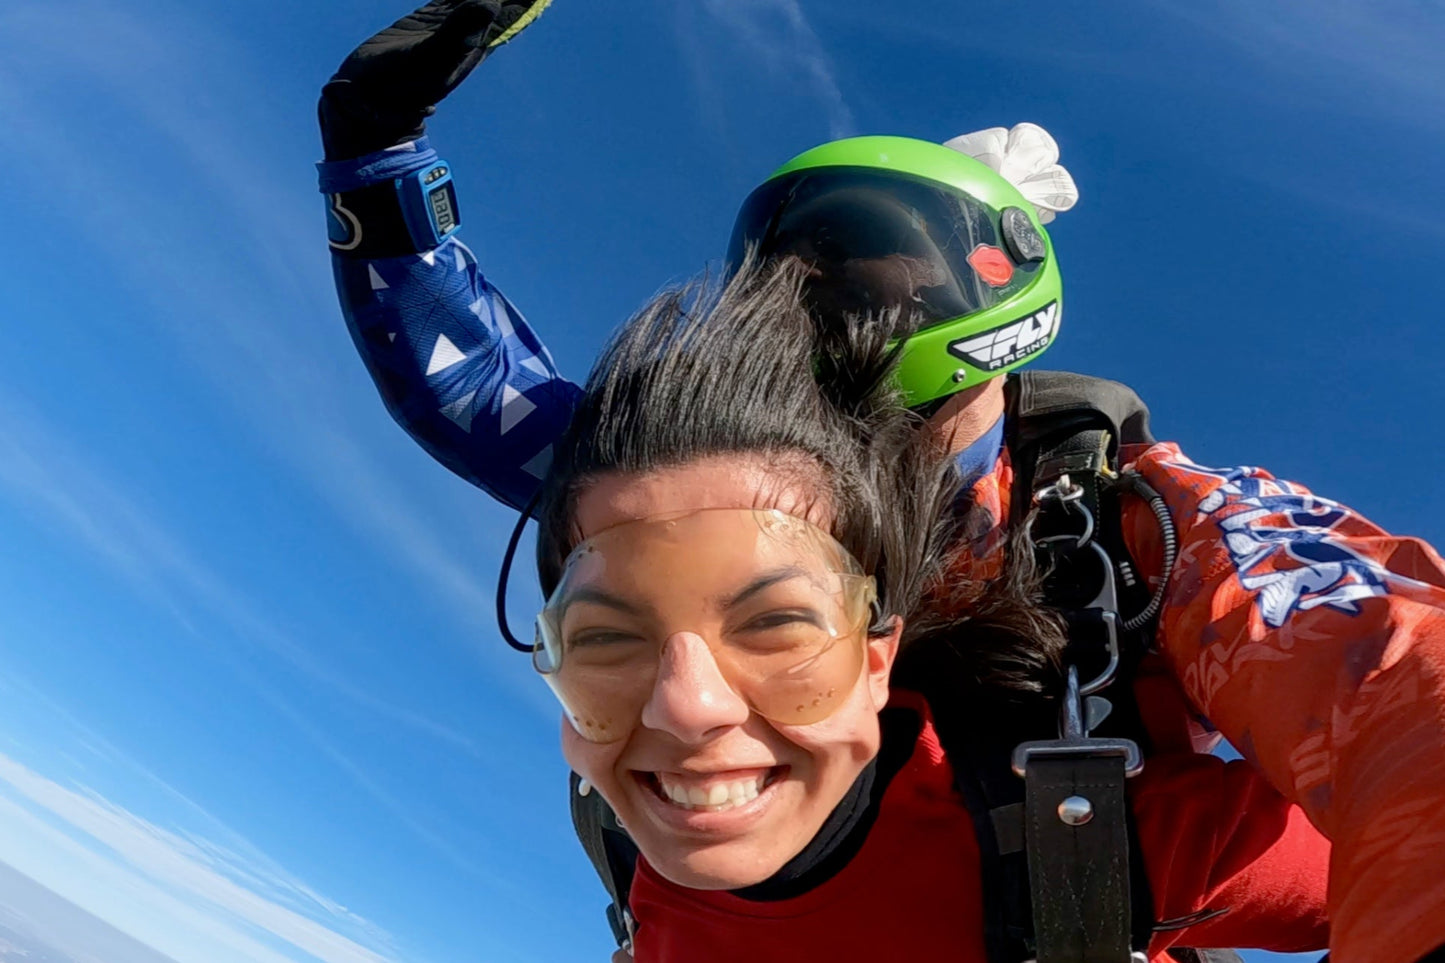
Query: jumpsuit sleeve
[1315,642]
[1231,862]
[456,364]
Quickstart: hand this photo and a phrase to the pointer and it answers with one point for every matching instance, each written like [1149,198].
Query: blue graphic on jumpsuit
[1327,572]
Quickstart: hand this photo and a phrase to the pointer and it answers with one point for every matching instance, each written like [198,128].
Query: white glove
[1028,158]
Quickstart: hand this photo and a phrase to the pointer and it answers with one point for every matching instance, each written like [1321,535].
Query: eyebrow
[765,581]
[598,597]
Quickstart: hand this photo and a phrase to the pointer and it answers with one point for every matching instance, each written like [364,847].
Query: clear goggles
[782,607]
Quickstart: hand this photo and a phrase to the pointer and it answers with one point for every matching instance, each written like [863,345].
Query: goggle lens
[783,608]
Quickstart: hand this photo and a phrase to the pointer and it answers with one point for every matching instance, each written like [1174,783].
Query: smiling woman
[730,569]
[736,554]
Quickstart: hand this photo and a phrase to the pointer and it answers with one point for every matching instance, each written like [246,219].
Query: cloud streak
[778,33]
[196,901]
[1380,56]
[36,468]
[254,270]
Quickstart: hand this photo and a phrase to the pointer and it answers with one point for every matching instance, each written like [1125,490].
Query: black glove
[383,93]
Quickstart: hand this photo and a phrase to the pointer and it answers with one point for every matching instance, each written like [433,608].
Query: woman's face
[757,790]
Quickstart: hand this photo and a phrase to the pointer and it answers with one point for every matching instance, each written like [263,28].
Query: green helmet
[890,221]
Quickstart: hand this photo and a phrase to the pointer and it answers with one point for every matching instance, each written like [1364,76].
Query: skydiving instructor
[1301,630]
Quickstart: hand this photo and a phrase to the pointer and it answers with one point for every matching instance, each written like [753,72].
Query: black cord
[505,573]
[1170,541]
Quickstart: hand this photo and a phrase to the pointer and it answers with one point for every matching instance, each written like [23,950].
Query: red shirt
[1213,834]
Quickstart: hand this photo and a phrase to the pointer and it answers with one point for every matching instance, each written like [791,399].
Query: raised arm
[456,364]
[1315,641]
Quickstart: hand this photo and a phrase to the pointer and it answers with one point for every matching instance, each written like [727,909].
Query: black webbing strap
[979,728]
[1090,893]
[1185,954]
[1088,890]
[1053,415]
[612,854]
[995,800]
[1077,839]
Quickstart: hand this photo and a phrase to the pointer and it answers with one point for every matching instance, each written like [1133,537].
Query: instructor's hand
[383,93]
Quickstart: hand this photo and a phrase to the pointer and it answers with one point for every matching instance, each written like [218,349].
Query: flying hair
[735,368]
[742,367]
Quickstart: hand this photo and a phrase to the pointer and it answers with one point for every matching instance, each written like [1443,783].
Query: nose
[691,698]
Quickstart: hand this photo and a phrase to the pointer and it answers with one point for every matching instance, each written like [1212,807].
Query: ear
[882,650]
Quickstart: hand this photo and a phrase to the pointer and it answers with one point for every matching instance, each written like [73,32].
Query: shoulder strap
[612,853]
[1087,886]
[1064,428]
[1045,403]
[1057,421]
[1063,424]
[979,753]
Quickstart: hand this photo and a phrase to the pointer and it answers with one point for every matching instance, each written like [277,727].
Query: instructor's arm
[455,363]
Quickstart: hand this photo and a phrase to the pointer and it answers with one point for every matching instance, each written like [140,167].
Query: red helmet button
[992,265]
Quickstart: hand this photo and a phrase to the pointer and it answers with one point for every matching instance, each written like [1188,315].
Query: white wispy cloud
[244,291]
[194,900]
[1379,57]
[39,468]
[778,33]
[241,295]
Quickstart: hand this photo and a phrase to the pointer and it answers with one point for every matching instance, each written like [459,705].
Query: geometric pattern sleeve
[457,366]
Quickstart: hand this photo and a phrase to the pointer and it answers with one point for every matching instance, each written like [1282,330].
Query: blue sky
[252,706]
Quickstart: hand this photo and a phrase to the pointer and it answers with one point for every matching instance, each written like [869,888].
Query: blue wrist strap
[337,177]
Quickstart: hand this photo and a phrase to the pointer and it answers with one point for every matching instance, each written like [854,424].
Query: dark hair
[743,368]
[708,370]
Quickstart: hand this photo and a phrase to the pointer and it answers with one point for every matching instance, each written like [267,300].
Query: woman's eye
[600,637]
[788,618]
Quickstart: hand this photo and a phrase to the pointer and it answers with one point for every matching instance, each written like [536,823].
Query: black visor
[877,239]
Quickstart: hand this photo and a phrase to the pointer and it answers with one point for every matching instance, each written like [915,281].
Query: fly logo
[1010,343]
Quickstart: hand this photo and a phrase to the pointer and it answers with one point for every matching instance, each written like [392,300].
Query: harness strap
[1190,955]
[612,854]
[1088,889]
[1077,838]
[994,798]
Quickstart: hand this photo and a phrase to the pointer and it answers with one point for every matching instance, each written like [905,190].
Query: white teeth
[718,797]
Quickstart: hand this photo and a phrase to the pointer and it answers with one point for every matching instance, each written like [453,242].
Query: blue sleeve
[456,364]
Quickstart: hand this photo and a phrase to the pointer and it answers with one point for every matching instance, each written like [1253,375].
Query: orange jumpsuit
[1315,643]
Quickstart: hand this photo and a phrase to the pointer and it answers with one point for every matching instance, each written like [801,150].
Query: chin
[724,867]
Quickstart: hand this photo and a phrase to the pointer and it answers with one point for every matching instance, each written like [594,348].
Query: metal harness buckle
[1081,710]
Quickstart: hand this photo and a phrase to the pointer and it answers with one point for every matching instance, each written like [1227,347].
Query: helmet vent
[1023,239]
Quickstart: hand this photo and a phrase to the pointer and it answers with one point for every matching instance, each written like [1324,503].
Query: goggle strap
[506,571]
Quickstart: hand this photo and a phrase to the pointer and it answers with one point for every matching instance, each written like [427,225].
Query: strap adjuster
[1075,741]
[1127,749]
